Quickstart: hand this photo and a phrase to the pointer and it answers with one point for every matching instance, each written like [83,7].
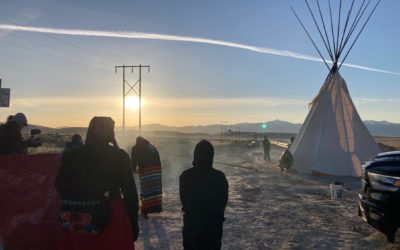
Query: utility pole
[220,124]
[223,128]
[125,93]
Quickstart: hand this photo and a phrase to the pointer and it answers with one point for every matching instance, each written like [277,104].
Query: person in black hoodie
[204,194]
[92,176]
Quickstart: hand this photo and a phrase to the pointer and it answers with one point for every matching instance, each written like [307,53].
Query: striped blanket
[151,189]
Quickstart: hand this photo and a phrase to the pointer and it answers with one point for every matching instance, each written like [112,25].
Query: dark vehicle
[379,198]
[35,141]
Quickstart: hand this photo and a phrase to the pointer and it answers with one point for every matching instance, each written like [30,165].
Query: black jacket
[88,173]
[11,140]
[203,192]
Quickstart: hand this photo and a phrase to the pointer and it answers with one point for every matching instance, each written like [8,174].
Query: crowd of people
[98,191]
[100,204]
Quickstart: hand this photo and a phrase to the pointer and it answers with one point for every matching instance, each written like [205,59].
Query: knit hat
[20,119]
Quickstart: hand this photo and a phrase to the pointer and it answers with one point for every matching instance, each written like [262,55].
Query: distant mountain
[376,128]
[63,130]
[45,130]
[383,128]
[71,130]
[208,129]
[276,126]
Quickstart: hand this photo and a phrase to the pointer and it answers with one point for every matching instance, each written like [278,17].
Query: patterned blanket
[151,189]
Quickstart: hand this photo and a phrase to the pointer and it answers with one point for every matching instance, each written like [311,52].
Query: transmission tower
[136,88]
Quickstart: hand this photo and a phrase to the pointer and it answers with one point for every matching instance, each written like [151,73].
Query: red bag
[116,236]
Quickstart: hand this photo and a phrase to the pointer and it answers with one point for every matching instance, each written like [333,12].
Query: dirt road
[266,210]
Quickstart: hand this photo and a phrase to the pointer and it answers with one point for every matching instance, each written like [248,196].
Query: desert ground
[266,209]
[392,143]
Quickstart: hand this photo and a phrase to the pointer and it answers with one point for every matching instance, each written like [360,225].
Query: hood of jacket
[141,142]
[203,154]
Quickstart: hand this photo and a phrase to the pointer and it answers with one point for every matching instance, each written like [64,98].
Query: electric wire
[67,43]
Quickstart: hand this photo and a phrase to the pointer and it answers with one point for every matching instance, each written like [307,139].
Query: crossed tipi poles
[339,38]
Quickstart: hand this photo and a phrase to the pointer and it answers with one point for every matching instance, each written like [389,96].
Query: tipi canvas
[333,139]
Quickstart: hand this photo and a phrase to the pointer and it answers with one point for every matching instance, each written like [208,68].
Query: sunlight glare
[132,102]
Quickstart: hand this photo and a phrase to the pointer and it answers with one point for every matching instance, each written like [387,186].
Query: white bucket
[336,191]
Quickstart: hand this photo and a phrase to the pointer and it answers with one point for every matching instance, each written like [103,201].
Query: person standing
[286,159]
[99,200]
[266,146]
[203,193]
[291,142]
[11,139]
[145,156]
[76,142]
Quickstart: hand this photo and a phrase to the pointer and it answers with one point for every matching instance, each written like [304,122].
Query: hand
[135,232]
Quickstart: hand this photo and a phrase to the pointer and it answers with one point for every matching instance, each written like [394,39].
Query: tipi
[333,139]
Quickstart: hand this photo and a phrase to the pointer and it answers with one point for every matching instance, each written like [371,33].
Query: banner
[29,203]
[4,97]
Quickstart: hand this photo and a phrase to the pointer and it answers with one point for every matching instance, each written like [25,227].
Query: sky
[224,61]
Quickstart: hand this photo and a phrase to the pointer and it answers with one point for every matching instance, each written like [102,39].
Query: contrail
[165,37]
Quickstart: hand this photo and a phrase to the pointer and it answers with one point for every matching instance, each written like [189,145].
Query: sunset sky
[211,61]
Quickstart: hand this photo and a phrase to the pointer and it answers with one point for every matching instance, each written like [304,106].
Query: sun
[132,102]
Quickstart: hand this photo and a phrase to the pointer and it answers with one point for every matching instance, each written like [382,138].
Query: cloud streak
[360,100]
[165,37]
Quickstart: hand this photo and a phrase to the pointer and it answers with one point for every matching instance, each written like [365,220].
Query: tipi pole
[345,27]
[333,33]
[337,34]
[326,33]
[302,25]
[359,33]
[355,22]
[319,30]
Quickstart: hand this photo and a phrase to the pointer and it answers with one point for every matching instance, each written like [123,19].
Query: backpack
[286,160]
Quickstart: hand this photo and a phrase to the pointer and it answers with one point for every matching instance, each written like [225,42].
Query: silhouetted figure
[11,139]
[9,118]
[76,142]
[204,194]
[91,182]
[266,146]
[286,161]
[145,156]
[291,141]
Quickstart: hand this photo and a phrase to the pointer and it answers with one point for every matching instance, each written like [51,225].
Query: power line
[59,50]
[45,53]
[65,42]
